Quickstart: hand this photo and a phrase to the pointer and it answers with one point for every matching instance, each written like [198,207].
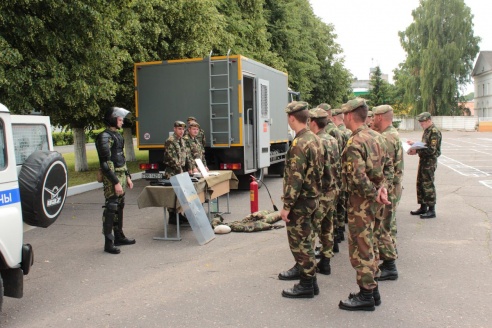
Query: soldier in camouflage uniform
[177,158]
[341,207]
[193,144]
[332,130]
[325,213]
[365,170]
[116,178]
[386,234]
[426,190]
[201,134]
[370,118]
[301,190]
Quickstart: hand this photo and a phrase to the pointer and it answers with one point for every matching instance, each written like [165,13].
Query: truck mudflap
[13,282]
[27,258]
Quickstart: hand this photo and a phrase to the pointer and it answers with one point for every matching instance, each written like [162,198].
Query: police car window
[27,139]
[3,154]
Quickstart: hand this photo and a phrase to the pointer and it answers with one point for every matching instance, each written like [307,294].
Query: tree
[379,92]
[440,48]
[69,54]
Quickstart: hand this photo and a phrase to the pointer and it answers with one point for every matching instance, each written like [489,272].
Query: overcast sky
[377,42]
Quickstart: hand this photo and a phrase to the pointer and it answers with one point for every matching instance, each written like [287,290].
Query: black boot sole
[288,278]
[389,277]
[348,308]
[123,243]
[297,296]
[112,251]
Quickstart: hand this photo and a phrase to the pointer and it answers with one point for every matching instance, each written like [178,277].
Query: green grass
[78,178]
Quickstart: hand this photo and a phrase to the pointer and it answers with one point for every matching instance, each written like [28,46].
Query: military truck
[33,189]
[237,101]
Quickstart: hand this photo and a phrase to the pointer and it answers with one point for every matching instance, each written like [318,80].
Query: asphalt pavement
[444,264]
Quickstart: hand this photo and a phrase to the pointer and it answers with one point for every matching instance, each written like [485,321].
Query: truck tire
[43,184]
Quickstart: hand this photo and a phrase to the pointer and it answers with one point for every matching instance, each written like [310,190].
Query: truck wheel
[43,184]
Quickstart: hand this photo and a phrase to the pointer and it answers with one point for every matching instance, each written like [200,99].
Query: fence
[448,123]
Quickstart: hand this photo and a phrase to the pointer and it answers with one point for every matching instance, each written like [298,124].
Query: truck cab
[33,188]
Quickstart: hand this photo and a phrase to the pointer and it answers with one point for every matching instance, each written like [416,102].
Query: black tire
[43,184]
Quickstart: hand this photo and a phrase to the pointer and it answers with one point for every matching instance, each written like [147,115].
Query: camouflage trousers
[361,219]
[108,188]
[324,218]
[341,209]
[300,233]
[426,190]
[385,228]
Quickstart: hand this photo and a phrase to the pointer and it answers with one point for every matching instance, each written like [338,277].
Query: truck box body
[238,102]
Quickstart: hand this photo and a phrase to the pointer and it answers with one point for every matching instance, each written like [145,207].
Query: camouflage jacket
[195,148]
[395,151]
[176,157]
[303,169]
[333,131]
[432,138]
[345,132]
[331,175]
[366,165]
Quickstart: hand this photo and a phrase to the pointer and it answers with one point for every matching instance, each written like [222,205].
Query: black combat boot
[324,266]
[293,273]
[376,296]
[430,214]
[335,246]
[304,289]
[362,301]
[340,233]
[119,237]
[421,210]
[109,246]
[388,270]
[315,286]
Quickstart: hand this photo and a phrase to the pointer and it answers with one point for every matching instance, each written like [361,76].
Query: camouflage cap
[353,104]
[424,116]
[383,109]
[370,113]
[194,124]
[325,106]
[191,118]
[336,111]
[296,106]
[317,112]
[179,124]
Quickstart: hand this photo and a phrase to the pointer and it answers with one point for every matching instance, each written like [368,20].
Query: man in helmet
[116,178]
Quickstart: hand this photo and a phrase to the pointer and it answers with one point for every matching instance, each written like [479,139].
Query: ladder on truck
[220,102]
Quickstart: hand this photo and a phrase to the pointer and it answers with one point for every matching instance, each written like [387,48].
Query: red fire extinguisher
[253,194]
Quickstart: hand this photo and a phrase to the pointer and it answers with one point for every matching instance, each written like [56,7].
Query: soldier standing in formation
[426,190]
[370,119]
[325,213]
[301,190]
[339,220]
[341,211]
[364,160]
[386,234]
[116,178]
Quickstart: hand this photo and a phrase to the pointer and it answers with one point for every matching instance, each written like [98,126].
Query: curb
[75,190]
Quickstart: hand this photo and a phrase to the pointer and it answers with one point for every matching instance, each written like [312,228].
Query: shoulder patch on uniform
[294,143]
[434,142]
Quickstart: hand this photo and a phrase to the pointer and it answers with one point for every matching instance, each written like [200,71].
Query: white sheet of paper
[201,167]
